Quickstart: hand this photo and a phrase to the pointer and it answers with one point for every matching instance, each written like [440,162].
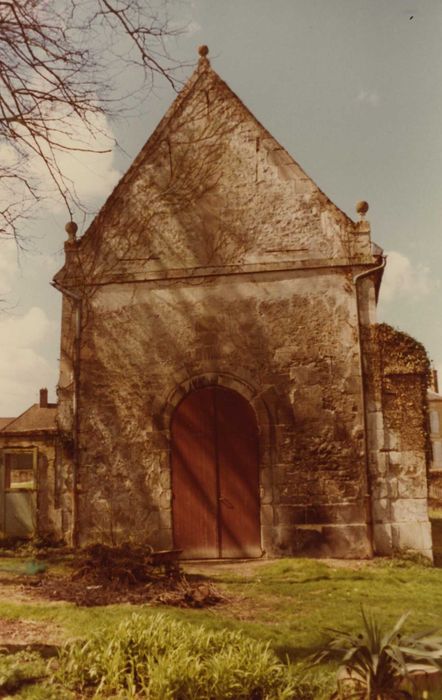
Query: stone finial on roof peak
[203,60]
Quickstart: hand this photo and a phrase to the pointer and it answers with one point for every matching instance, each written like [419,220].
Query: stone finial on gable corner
[70,245]
[362,208]
[203,60]
[362,226]
[71,229]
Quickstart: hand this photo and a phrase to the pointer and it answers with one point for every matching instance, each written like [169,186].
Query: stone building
[28,488]
[223,388]
[435,424]
[397,376]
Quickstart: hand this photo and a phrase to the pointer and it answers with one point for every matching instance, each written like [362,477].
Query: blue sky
[351,88]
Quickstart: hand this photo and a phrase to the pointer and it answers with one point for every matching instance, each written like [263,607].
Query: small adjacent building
[28,485]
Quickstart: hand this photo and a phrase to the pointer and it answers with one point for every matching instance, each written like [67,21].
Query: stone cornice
[159,274]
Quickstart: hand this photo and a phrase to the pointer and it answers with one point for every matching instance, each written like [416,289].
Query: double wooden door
[215,481]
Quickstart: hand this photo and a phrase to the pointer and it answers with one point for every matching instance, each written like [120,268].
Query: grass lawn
[287,603]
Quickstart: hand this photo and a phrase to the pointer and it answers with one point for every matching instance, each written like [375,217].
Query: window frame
[14,451]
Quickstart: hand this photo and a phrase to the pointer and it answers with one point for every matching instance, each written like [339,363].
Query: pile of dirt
[105,575]
[180,592]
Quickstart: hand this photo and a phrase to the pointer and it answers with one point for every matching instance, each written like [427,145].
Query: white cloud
[31,328]
[402,280]
[369,97]
[23,368]
[91,172]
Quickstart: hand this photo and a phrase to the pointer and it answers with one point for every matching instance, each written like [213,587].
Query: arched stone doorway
[215,475]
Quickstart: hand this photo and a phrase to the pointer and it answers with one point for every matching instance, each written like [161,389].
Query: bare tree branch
[57,60]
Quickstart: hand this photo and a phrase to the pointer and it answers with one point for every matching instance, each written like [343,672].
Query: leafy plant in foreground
[160,659]
[375,664]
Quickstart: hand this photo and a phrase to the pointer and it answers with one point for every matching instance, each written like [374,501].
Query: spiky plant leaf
[378,661]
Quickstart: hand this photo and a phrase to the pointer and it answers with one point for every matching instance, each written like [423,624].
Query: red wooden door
[215,480]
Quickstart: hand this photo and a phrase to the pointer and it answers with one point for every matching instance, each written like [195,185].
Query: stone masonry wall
[399,442]
[287,342]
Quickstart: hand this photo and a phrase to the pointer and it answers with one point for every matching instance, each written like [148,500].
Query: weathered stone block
[289,515]
[341,541]
[266,479]
[381,510]
[379,463]
[347,541]
[165,498]
[267,516]
[268,540]
[409,510]
[392,440]
[382,539]
[408,463]
[164,479]
[395,458]
[379,489]
[413,487]
[375,424]
[336,513]
[393,487]
[412,536]
[296,541]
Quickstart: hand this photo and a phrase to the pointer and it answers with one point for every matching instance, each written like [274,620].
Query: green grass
[306,596]
[287,603]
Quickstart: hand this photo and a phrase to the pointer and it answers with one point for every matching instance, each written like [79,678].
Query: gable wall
[212,188]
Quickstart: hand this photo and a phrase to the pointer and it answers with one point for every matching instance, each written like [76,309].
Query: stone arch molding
[228,381]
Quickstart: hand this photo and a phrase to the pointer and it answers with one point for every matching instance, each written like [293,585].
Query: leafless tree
[61,62]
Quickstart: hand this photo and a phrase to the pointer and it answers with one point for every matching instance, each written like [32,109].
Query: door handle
[226,502]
